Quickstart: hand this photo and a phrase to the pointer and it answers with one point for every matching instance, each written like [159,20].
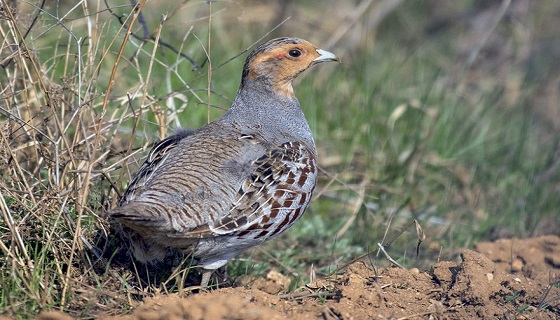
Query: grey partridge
[236,182]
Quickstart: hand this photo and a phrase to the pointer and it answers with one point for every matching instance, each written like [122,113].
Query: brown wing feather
[280,186]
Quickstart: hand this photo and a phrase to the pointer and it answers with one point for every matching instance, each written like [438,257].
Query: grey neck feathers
[258,106]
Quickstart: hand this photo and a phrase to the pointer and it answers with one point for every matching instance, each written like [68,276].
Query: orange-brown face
[279,61]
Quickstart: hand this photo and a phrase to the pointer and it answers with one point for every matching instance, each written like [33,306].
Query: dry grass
[70,122]
[85,90]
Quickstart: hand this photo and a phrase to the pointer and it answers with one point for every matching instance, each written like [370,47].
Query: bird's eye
[294,53]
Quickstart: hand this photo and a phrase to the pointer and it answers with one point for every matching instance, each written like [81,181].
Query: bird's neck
[257,96]
[259,105]
[278,88]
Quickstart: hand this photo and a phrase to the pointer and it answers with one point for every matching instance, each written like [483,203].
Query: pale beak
[325,56]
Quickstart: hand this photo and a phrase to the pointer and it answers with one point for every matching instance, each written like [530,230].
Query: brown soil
[506,279]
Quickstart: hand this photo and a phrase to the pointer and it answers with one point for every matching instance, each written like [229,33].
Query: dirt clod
[486,284]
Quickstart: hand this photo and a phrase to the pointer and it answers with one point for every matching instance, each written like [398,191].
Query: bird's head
[274,64]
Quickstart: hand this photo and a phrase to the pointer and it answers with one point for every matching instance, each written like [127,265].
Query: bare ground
[506,279]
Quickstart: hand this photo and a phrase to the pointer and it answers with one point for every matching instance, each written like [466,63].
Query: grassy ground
[446,114]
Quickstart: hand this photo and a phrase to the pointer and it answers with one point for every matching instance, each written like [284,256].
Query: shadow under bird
[236,182]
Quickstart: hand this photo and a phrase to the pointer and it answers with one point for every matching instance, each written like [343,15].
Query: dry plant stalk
[66,127]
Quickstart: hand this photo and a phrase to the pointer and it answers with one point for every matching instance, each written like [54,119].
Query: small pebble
[516,265]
